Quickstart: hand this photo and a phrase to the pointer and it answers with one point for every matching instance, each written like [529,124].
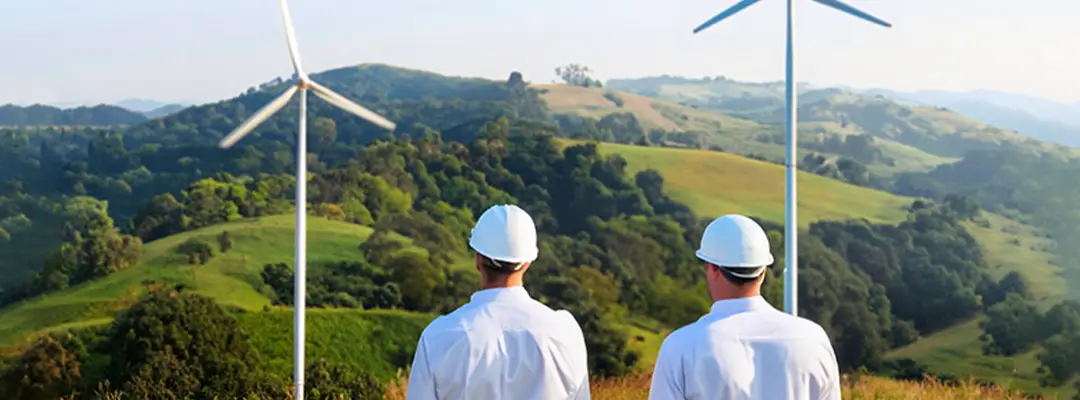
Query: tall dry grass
[636,387]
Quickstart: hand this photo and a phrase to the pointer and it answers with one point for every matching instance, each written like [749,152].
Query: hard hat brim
[767,261]
[502,257]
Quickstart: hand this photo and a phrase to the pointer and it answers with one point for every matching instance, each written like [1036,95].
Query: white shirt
[501,345]
[747,349]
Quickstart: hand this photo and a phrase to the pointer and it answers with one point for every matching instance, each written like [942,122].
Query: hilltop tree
[577,75]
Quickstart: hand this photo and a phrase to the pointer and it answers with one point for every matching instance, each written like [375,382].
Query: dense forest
[615,249]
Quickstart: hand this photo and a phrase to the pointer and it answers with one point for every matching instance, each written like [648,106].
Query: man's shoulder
[684,337]
[805,326]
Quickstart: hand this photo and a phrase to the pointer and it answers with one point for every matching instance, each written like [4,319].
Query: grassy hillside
[714,183]
[231,278]
[653,113]
[379,341]
[933,135]
[1010,246]
[734,135]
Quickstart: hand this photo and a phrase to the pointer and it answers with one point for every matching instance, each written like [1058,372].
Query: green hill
[42,115]
[231,278]
[378,341]
[913,137]
[713,183]
[462,156]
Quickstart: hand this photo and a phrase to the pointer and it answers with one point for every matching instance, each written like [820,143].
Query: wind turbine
[791,265]
[302,84]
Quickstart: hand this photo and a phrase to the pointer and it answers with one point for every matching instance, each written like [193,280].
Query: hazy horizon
[171,51]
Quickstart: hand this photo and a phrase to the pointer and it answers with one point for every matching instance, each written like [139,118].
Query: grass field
[231,278]
[652,113]
[715,183]
[636,387]
[378,341]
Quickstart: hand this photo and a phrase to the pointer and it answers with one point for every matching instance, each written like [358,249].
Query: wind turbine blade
[726,13]
[265,112]
[290,35]
[347,105]
[848,9]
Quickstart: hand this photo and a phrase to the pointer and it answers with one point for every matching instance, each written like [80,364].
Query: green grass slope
[378,341]
[231,278]
[714,183]
[1009,246]
[735,134]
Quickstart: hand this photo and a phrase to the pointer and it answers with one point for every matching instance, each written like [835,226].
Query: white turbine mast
[303,84]
[791,231]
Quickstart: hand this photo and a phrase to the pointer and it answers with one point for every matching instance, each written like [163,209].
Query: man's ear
[711,273]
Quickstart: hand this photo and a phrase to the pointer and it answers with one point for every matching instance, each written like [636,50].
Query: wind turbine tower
[791,265]
[301,83]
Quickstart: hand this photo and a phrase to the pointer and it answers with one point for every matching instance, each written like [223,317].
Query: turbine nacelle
[301,81]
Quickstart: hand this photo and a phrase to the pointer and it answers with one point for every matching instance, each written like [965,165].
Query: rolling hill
[738,118]
[715,183]
[918,137]
[42,115]
[697,127]
[231,278]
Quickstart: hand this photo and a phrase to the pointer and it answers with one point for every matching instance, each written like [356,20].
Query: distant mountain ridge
[43,115]
[1042,119]
[828,116]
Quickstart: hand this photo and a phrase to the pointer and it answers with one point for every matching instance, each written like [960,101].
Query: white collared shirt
[501,345]
[747,349]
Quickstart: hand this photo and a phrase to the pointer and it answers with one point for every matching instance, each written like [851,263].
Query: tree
[515,80]
[175,345]
[324,132]
[224,242]
[51,368]
[328,381]
[577,75]
[416,278]
[1011,326]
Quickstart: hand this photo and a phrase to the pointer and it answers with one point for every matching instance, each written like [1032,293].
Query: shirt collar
[497,294]
[745,304]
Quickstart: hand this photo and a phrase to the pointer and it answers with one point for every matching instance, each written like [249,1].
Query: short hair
[499,267]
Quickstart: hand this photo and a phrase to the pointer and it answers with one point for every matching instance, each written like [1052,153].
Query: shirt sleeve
[421,381]
[581,361]
[832,390]
[667,376]
[583,389]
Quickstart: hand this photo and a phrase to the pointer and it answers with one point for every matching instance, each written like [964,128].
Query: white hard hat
[736,242]
[505,233]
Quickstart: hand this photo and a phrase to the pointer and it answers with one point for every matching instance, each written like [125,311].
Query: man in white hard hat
[502,344]
[744,348]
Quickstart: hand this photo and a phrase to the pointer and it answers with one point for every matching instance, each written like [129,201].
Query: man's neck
[743,294]
[504,283]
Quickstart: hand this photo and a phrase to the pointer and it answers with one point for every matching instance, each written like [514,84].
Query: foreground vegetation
[636,387]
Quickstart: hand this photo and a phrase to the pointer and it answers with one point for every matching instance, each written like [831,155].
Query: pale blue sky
[204,50]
